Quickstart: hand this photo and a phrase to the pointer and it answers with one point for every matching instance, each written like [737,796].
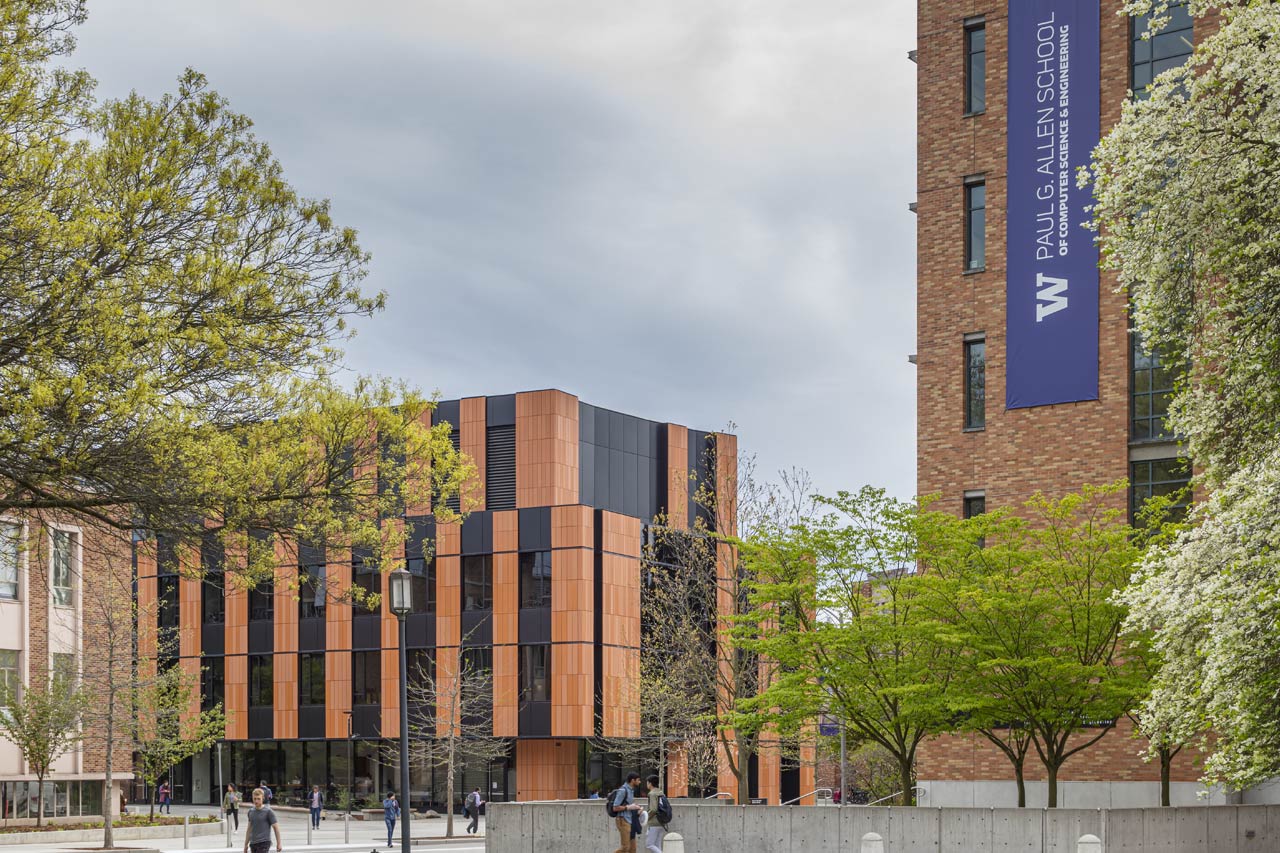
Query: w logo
[1051,295]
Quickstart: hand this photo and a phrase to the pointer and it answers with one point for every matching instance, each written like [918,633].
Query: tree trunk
[108,801]
[448,827]
[1052,770]
[1166,762]
[151,803]
[904,779]
[40,800]
[1020,777]
[744,772]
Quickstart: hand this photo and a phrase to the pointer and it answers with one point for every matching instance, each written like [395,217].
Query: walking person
[621,804]
[472,808]
[390,811]
[267,793]
[659,817]
[231,805]
[165,797]
[317,806]
[260,822]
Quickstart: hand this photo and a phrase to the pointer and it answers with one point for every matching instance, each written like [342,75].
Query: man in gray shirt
[262,822]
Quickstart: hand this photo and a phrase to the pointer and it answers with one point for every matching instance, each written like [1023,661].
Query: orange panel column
[546,770]
[769,768]
[506,624]
[284,663]
[189,625]
[677,770]
[236,644]
[620,594]
[572,621]
[337,631]
[546,448]
[677,476]
[448,616]
[472,413]
[390,631]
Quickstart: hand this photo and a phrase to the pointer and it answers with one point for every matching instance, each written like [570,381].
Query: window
[423,584]
[62,544]
[1152,389]
[1166,49]
[212,599]
[64,666]
[212,679]
[260,681]
[975,224]
[535,579]
[1159,477]
[10,678]
[477,582]
[366,577]
[420,667]
[167,601]
[311,679]
[975,67]
[366,677]
[10,541]
[975,383]
[262,601]
[535,673]
[311,592]
[974,504]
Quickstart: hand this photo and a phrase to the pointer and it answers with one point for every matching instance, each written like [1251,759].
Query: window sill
[974,114]
[974,429]
[974,271]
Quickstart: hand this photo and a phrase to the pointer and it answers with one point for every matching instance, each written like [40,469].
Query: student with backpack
[620,805]
[659,817]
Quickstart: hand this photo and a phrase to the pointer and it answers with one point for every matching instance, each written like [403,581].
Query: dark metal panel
[501,410]
[261,723]
[630,435]
[617,480]
[586,423]
[421,630]
[535,719]
[311,635]
[586,473]
[477,533]
[448,410]
[262,638]
[366,631]
[420,533]
[477,628]
[535,625]
[311,721]
[366,721]
[213,639]
[535,529]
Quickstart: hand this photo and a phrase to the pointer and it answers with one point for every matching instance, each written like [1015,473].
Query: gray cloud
[691,212]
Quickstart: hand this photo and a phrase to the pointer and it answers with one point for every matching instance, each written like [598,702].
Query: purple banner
[1051,282]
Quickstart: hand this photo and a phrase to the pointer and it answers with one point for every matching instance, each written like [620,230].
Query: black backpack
[664,810]
[609,804]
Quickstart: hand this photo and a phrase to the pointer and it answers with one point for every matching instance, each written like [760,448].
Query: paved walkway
[366,836]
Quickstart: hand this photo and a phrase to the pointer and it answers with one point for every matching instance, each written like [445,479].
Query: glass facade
[75,798]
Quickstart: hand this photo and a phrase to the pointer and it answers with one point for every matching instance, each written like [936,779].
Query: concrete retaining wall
[122,833]
[581,827]
[1074,795]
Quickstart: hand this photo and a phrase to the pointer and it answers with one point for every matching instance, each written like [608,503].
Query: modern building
[541,584]
[57,581]
[1028,376]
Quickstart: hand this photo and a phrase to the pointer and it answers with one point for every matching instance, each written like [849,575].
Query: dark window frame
[311,679]
[1146,368]
[975,102]
[975,251]
[261,681]
[535,687]
[975,387]
[484,586]
[1145,483]
[262,602]
[312,592]
[535,588]
[423,583]
[366,678]
[1144,65]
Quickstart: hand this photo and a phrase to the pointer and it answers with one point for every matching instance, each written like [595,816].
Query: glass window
[477,582]
[535,673]
[424,584]
[212,598]
[975,225]
[366,678]
[311,679]
[1152,389]
[366,577]
[260,681]
[167,591]
[535,579]
[1160,477]
[10,679]
[212,678]
[64,665]
[62,544]
[974,505]
[91,798]
[975,68]
[10,541]
[1167,49]
[975,384]
[262,601]
[311,592]
[420,667]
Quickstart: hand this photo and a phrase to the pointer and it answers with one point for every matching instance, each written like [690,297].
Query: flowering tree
[1188,213]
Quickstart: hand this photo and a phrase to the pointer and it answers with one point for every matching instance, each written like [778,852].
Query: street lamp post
[351,794]
[401,588]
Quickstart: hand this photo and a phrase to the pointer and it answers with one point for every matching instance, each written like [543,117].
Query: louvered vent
[454,502]
[500,467]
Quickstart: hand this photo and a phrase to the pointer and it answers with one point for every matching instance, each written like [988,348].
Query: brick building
[61,582]
[990,432]
[541,584]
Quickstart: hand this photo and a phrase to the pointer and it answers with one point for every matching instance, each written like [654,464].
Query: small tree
[43,721]
[165,733]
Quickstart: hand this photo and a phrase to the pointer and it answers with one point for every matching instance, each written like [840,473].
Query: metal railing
[810,794]
[719,794]
[914,788]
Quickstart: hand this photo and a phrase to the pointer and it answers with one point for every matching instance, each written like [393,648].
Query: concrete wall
[1073,795]
[582,827]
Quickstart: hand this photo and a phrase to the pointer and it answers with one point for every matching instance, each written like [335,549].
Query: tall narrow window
[10,680]
[62,544]
[974,504]
[975,67]
[261,681]
[423,583]
[212,599]
[535,673]
[1166,49]
[975,383]
[10,540]
[64,666]
[366,577]
[1152,389]
[167,601]
[366,678]
[212,682]
[311,592]
[477,582]
[311,679]
[535,579]
[262,601]
[1159,477]
[975,224]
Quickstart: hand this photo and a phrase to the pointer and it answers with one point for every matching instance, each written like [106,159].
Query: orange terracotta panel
[506,599]
[572,527]
[769,769]
[337,676]
[677,770]
[726,484]
[546,449]
[446,680]
[448,540]
[285,628]
[548,770]
[677,476]
[506,691]
[572,689]
[337,614]
[506,531]
[236,697]
[472,413]
[284,677]
[391,691]
[148,605]
[189,616]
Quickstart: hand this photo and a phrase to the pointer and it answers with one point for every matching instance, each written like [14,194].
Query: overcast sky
[689,211]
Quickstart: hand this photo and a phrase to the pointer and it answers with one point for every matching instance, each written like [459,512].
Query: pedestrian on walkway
[317,806]
[621,805]
[659,816]
[267,793]
[231,805]
[260,822]
[472,808]
[165,801]
[390,811]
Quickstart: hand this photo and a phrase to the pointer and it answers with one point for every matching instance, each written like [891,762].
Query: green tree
[836,616]
[170,318]
[1188,212]
[166,733]
[43,720]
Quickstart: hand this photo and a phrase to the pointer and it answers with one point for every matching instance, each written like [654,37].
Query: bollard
[673,842]
[872,843]
[186,831]
[309,828]
[1089,844]
[227,821]
[346,829]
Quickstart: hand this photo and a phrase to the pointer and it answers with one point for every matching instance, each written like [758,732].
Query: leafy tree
[170,315]
[1188,213]
[836,616]
[165,731]
[43,720]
